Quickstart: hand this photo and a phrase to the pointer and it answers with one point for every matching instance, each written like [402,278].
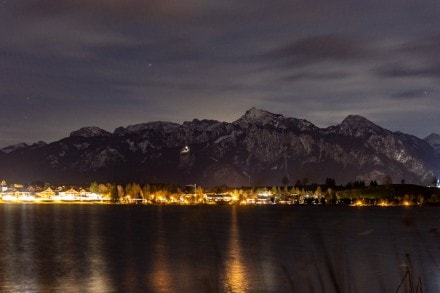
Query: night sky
[65,64]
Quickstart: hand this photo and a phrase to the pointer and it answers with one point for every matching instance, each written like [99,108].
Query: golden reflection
[161,278]
[236,278]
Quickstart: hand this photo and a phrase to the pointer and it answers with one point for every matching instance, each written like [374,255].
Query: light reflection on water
[161,278]
[236,278]
[46,248]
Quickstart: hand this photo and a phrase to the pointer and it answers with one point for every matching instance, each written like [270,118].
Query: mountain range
[260,148]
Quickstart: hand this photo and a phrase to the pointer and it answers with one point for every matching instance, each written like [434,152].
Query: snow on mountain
[259,117]
[166,127]
[260,146]
[263,118]
[434,140]
[12,148]
[39,144]
[91,131]
[357,126]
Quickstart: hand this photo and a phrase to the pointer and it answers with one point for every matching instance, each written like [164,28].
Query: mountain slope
[259,148]
[434,140]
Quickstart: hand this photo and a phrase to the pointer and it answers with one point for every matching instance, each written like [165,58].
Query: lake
[117,248]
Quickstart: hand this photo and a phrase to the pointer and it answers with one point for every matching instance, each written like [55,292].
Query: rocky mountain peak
[259,114]
[434,140]
[11,148]
[356,125]
[166,127]
[357,121]
[90,131]
[39,143]
[264,145]
[433,137]
[200,124]
[259,117]
[21,146]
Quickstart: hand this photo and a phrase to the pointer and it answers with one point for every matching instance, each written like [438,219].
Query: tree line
[328,193]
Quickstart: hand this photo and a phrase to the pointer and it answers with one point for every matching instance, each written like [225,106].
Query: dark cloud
[408,71]
[420,93]
[427,47]
[416,58]
[313,76]
[321,48]
[113,10]
[115,62]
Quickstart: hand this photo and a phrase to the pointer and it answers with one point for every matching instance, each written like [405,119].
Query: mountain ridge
[260,147]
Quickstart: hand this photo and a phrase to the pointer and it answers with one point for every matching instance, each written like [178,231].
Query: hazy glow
[161,277]
[236,279]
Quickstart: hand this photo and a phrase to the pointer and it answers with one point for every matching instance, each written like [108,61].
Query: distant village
[135,194]
[356,194]
[34,193]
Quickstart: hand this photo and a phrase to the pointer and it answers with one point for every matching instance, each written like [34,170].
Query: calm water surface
[95,248]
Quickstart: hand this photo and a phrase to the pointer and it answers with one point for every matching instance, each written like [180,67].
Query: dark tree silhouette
[114,195]
[330,182]
[285,181]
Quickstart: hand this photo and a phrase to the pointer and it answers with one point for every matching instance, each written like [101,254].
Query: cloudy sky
[65,64]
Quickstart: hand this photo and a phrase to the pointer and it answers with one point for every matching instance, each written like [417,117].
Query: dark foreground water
[95,248]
